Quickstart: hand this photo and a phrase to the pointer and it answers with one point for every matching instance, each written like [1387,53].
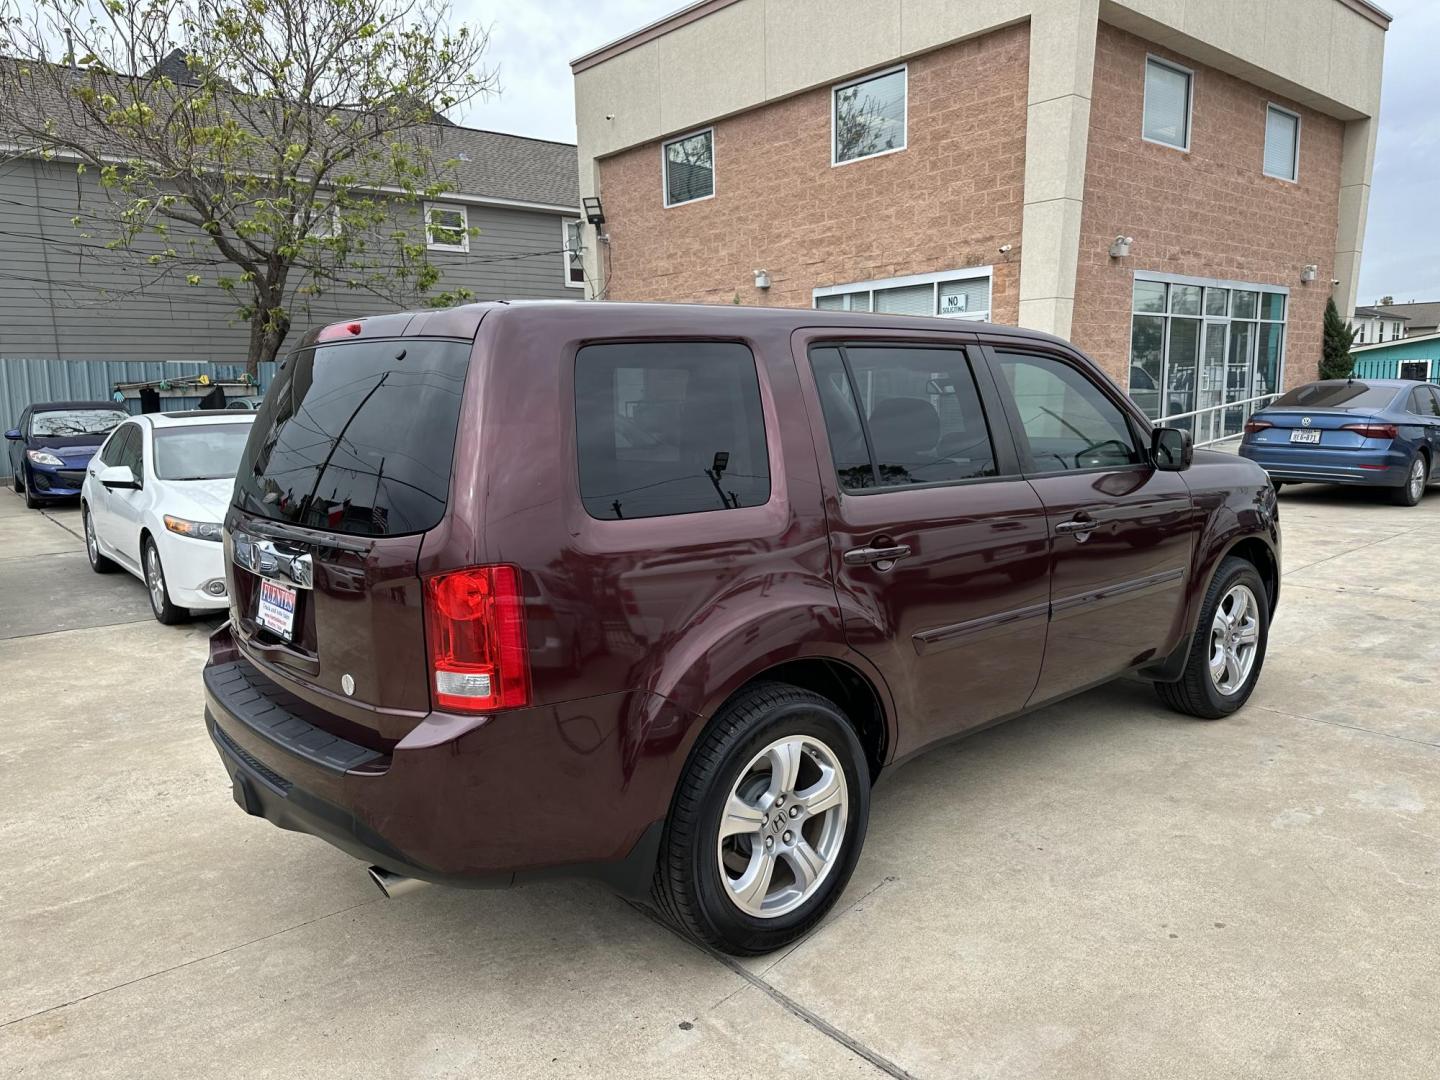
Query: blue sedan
[54,442]
[1376,432]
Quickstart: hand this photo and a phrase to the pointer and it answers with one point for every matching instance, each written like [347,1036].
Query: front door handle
[1078,525]
[876,556]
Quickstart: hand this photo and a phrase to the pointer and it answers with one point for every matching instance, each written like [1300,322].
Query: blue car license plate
[1303,436]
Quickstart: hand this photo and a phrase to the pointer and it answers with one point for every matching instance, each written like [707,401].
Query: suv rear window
[357,437]
[1338,395]
[672,427]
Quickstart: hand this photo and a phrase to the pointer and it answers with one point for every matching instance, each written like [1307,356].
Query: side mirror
[14,434]
[118,476]
[1171,449]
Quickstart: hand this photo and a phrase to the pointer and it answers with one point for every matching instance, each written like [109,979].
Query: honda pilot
[655,593]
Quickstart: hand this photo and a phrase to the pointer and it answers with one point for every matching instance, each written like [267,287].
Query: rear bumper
[479,802]
[1371,468]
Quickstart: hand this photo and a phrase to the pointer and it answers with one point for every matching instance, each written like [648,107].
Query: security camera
[609,116]
[1005,248]
[1334,281]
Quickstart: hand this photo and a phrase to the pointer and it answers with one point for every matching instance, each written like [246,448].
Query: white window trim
[1295,161]
[1189,102]
[1427,361]
[936,280]
[566,250]
[904,114]
[430,242]
[330,217]
[665,165]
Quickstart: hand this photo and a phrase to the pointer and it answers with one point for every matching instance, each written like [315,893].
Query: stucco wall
[949,200]
[1210,212]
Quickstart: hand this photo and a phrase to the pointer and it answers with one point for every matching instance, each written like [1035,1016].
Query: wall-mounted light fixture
[594,212]
[1310,272]
[1120,247]
[762,279]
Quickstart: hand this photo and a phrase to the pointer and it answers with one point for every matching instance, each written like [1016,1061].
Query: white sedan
[153,502]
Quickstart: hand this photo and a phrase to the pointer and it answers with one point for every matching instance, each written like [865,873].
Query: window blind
[1167,104]
[1282,133]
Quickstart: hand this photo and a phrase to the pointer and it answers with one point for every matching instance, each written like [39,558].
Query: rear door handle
[1079,525]
[871,556]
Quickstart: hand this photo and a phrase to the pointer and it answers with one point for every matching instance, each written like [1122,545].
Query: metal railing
[1207,432]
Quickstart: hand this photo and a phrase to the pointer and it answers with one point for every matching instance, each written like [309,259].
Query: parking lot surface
[1102,889]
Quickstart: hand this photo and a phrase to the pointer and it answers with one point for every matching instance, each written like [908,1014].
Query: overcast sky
[535,40]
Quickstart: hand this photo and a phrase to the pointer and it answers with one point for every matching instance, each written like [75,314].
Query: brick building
[1178,186]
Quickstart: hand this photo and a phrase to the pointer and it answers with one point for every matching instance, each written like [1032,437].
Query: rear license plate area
[275,609]
[1301,435]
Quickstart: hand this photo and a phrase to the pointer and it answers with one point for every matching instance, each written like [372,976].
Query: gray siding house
[65,296]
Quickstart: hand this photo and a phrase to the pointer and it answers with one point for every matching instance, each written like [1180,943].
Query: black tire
[1277,485]
[1195,694]
[1408,494]
[99,563]
[688,890]
[31,502]
[163,610]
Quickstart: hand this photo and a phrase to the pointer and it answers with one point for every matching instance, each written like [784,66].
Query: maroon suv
[655,593]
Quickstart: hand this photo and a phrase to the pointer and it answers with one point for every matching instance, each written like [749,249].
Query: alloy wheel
[783,826]
[154,578]
[92,546]
[1234,639]
[1417,478]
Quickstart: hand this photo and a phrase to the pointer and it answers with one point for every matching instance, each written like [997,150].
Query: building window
[325,225]
[689,163]
[1167,103]
[447,228]
[955,294]
[1282,143]
[1197,346]
[867,117]
[574,253]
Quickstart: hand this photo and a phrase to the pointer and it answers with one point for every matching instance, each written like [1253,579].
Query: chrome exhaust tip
[393,885]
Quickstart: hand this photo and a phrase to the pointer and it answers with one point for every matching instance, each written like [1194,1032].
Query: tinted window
[69,422]
[358,437]
[1338,395]
[669,428]
[1419,401]
[199,452]
[112,453]
[922,414]
[132,451]
[1067,419]
[1434,402]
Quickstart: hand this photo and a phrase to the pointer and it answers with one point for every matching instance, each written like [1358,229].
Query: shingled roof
[493,165]
[488,164]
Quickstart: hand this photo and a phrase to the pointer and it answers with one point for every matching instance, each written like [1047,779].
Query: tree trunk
[266,334]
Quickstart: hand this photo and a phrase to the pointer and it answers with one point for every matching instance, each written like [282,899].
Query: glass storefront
[1198,346]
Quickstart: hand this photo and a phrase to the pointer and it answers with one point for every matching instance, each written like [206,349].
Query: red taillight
[475,629]
[1373,431]
[1252,426]
[338,330]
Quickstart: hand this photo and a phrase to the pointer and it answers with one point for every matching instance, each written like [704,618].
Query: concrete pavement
[1103,889]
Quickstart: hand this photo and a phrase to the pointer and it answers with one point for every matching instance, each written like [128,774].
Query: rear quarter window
[667,428]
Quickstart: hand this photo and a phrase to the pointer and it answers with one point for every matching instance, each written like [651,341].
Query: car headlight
[196,530]
[41,457]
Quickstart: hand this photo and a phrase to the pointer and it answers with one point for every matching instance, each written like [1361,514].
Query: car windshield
[199,451]
[62,423]
[1338,395]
